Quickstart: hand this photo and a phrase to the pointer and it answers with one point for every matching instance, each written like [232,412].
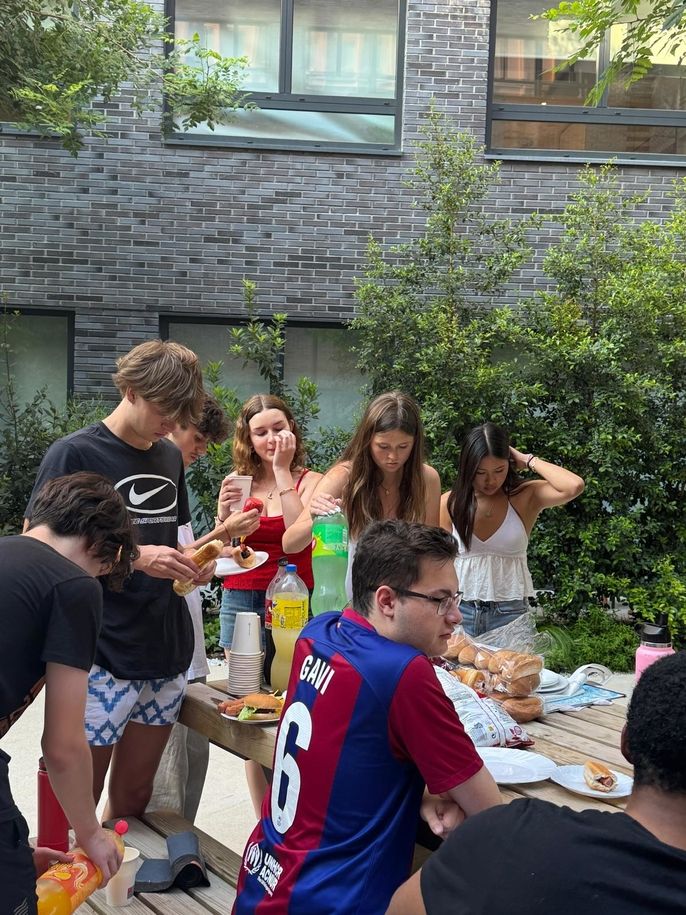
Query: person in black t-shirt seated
[50,615]
[534,858]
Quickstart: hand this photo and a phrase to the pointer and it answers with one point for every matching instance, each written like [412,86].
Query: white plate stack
[245,656]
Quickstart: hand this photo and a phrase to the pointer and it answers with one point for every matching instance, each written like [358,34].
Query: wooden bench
[148,836]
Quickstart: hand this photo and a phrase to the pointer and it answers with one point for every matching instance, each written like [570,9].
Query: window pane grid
[533,106]
[338,63]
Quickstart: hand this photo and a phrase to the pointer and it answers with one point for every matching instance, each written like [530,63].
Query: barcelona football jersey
[352,757]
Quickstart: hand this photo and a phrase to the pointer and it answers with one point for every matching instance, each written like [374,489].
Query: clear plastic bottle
[329,562]
[290,607]
[268,637]
[63,887]
[656,643]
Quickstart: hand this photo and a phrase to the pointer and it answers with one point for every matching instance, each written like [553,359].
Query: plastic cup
[245,484]
[246,634]
[119,891]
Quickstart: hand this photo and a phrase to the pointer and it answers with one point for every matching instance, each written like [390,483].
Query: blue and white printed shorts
[112,703]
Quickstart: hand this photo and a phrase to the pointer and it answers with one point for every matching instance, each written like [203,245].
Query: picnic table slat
[199,712]
[570,740]
[584,728]
[598,716]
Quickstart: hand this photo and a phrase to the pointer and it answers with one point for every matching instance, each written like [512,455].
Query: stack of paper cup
[245,656]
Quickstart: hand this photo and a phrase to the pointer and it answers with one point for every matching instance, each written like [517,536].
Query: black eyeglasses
[443,604]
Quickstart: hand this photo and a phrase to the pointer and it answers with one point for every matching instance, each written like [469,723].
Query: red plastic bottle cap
[121,827]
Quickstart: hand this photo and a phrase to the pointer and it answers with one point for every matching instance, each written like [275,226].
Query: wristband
[288,489]
[532,458]
[219,523]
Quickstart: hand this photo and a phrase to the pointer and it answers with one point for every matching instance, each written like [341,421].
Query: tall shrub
[426,323]
[606,366]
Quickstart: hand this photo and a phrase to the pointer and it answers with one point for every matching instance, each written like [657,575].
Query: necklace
[386,489]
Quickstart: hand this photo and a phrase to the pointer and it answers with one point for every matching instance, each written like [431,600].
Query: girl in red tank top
[267,446]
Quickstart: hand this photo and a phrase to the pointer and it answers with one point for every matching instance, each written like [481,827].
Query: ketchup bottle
[53,826]
[63,887]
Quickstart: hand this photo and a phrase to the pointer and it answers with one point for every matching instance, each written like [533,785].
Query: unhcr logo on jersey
[252,861]
[263,866]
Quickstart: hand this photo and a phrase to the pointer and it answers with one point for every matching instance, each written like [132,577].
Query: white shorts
[112,703]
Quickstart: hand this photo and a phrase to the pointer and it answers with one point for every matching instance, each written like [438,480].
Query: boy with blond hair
[137,681]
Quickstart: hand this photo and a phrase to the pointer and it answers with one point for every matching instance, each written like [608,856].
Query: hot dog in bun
[599,777]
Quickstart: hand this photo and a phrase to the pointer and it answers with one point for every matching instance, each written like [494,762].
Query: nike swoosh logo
[136,498]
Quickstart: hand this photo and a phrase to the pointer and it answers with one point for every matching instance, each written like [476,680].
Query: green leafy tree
[426,323]
[606,366]
[650,27]
[62,63]
[262,344]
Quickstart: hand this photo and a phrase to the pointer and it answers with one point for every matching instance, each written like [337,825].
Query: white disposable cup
[245,484]
[119,891]
[246,634]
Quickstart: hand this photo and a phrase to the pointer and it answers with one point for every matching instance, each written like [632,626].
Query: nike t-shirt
[146,630]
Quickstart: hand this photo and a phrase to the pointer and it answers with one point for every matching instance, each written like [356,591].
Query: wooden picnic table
[564,737]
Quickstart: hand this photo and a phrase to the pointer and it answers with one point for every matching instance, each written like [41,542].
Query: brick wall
[135,228]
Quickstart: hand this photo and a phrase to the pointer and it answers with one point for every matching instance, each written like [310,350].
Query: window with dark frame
[323,74]
[538,112]
[41,354]
[320,351]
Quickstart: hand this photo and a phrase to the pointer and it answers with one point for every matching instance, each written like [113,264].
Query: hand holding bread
[206,554]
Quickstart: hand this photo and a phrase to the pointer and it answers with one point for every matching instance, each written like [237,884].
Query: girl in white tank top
[490,511]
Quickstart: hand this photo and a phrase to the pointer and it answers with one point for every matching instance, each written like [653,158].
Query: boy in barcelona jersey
[365,731]
[137,681]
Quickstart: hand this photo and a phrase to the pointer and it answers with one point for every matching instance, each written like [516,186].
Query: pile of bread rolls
[511,677]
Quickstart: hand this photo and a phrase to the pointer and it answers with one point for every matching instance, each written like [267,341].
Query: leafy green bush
[26,433]
[591,375]
[211,629]
[597,636]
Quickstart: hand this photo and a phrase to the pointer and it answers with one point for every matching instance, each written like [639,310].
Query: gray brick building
[139,236]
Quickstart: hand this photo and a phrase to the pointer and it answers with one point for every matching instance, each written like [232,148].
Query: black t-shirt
[531,857]
[147,630]
[50,611]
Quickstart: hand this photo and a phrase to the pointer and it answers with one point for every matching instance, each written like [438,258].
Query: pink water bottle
[656,643]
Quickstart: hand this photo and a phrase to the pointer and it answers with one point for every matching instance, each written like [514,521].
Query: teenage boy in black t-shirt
[531,857]
[50,615]
[137,682]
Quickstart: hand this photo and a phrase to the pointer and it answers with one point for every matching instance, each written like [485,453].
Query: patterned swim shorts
[112,703]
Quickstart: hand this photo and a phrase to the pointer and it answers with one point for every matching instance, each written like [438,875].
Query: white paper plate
[572,778]
[274,719]
[516,767]
[552,682]
[227,566]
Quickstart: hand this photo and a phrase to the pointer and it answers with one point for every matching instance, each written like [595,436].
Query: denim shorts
[479,616]
[233,602]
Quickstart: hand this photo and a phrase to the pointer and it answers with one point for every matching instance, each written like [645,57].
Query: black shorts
[17,874]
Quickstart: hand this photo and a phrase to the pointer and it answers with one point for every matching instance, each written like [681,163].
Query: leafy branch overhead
[62,64]
[647,29]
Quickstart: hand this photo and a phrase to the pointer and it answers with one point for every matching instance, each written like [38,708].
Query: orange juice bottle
[64,886]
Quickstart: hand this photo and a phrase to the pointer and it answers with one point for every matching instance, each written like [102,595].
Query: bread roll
[523,710]
[470,677]
[483,657]
[498,659]
[456,642]
[467,654]
[598,777]
[207,553]
[522,686]
[521,665]
[244,556]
